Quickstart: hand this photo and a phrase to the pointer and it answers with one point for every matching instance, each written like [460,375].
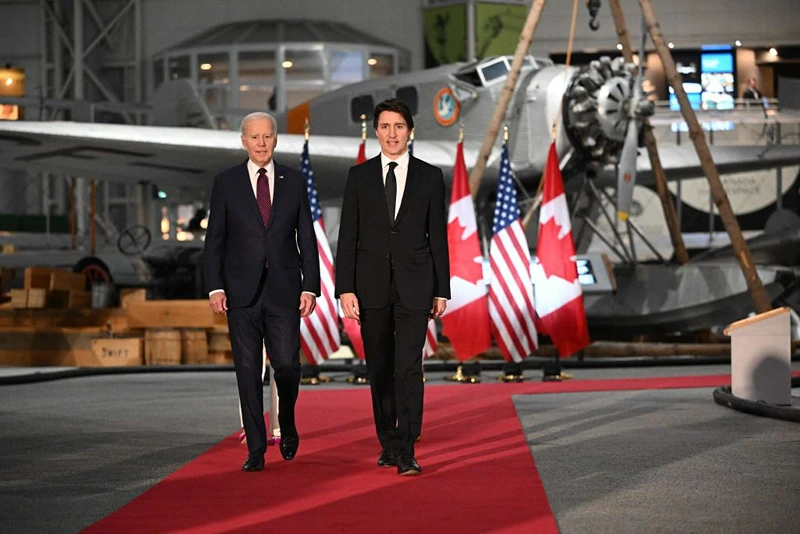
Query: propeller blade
[626,174]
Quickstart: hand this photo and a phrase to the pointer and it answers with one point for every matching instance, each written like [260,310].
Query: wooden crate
[44,298]
[118,351]
[38,277]
[19,298]
[79,299]
[173,314]
[62,280]
[194,346]
[130,295]
[162,347]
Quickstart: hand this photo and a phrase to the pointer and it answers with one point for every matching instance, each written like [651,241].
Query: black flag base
[359,375]
[552,372]
[512,372]
[466,373]
[310,375]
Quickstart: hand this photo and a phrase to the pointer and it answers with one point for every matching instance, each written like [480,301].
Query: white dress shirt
[400,172]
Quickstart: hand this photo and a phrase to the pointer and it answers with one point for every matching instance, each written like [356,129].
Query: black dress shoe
[288,446]
[388,458]
[407,465]
[254,462]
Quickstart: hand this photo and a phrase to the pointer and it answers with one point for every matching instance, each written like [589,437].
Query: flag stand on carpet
[465,322]
[510,289]
[559,296]
[319,332]
[352,327]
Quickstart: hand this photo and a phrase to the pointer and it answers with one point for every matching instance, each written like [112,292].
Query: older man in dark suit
[392,274]
[261,266]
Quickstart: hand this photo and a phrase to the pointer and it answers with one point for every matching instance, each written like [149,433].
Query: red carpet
[478,473]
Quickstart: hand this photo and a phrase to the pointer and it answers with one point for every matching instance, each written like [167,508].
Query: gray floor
[74,450]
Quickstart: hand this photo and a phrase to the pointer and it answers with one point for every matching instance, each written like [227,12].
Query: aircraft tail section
[177,103]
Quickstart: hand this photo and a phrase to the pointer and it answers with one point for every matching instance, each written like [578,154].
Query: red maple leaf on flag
[558,293]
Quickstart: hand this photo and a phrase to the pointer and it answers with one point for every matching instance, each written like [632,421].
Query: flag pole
[761,300]
[652,149]
[525,38]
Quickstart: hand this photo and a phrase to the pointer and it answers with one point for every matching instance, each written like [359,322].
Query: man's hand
[438,308]
[349,304]
[307,304]
[218,302]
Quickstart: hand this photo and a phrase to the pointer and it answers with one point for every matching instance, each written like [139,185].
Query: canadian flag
[558,293]
[466,319]
[352,327]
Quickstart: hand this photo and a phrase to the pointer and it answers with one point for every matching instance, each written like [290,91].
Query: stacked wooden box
[51,288]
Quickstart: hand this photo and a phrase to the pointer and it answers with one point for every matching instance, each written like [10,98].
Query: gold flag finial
[363,127]
[505,132]
[461,132]
[306,129]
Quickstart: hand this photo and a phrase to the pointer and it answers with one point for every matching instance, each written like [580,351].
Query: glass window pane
[346,67]
[409,96]
[179,67]
[256,98]
[361,105]
[298,95]
[158,73]
[380,65]
[257,68]
[303,65]
[213,68]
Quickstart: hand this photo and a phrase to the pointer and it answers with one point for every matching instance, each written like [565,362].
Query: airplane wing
[681,161]
[183,157]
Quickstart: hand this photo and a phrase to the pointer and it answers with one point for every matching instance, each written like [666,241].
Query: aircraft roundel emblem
[445,107]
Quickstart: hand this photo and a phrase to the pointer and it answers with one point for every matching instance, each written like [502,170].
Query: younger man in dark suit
[393,275]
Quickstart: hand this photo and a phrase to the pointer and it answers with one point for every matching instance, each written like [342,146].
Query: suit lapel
[411,180]
[277,195]
[245,188]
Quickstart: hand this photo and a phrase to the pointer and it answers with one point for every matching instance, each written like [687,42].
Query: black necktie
[390,189]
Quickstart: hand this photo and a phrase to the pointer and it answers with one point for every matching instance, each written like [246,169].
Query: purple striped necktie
[262,196]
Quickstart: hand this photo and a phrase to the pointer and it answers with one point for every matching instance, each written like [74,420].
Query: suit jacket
[415,247]
[238,245]
[751,94]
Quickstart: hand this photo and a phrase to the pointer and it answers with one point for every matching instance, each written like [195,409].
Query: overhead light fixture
[773,51]
[205,66]
[671,45]
[737,42]
[287,64]
[9,81]
[244,87]
[372,61]
[619,46]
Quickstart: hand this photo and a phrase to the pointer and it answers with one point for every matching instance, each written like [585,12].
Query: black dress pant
[278,329]
[394,337]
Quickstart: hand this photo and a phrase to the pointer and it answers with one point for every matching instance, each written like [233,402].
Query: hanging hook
[594,8]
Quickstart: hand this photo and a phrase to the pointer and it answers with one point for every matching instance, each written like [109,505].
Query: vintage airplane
[595,105]
[592,104]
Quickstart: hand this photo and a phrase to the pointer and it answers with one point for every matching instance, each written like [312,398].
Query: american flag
[319,332]
[430,337]
[510,289]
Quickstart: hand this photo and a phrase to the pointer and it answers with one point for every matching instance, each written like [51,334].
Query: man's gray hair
[257,115]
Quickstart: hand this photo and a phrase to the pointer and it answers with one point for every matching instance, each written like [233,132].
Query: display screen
[716,62]
[585,273]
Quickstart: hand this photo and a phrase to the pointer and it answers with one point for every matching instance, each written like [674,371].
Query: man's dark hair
[396,105]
